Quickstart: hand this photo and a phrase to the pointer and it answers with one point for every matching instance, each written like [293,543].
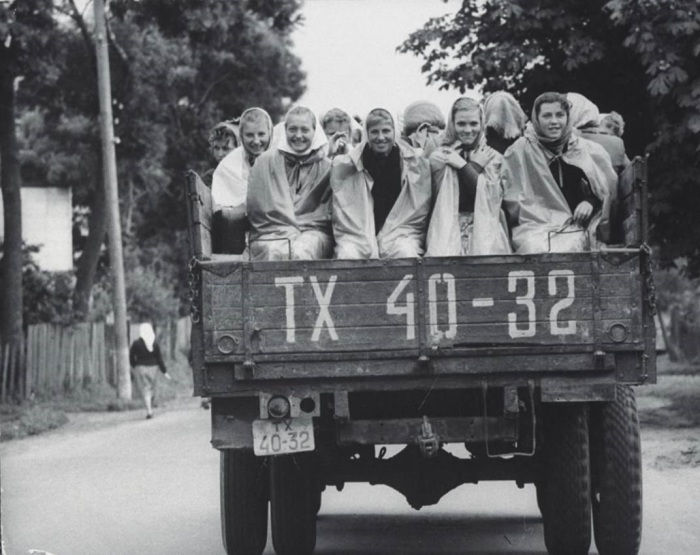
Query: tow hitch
[428,441]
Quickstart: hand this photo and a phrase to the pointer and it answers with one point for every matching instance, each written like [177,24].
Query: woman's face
[468,126]
[255,136]
[300,132]
[552,119]
[381,137]
[219,149]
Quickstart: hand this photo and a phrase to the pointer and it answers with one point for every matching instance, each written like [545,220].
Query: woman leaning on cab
[557,186]
[381,195]
[466,217]
[288,198]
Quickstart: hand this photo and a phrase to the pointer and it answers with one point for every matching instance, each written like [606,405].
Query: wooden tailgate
[439,307]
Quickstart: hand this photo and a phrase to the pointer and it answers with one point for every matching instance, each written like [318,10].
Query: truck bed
[570,318]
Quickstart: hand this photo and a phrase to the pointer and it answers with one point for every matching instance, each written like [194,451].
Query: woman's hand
[583,212]
[449,157]
[482,155]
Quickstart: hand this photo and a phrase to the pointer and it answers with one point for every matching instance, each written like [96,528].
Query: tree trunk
[87,264]
[11,264]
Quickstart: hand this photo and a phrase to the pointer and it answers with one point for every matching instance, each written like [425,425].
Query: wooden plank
[371,315]
[31,363]
[5,359]
[438,368]
[632,230]
[199,215]
[630,178]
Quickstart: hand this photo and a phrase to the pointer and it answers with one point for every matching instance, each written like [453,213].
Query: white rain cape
[403,232]
[538,212]
[482,232]
[290,216]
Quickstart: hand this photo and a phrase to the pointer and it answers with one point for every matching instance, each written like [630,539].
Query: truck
[524,363]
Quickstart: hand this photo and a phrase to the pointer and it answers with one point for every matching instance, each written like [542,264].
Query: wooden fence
[57,359]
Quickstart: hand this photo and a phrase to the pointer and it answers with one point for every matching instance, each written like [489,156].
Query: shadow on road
[436,534]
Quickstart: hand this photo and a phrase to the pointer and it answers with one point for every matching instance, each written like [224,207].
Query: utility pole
[114,228]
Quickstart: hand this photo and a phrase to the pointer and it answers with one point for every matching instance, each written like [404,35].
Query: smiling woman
[289,194]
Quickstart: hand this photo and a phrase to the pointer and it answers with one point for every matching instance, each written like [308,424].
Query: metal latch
[428,441]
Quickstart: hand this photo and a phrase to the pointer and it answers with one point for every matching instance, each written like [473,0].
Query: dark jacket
[139,355]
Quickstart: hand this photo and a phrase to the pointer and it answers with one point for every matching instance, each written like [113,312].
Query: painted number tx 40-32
[442,296]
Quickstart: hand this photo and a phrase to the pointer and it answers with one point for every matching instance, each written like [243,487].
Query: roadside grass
[674,401]
[41,414]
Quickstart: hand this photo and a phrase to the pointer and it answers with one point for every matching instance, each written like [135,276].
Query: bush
[25,420]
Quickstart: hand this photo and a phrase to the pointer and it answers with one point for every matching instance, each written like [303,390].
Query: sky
[348,49]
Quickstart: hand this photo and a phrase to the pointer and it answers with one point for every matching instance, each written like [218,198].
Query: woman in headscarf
[230,181]
[557,186]
[289,194]
[466,218]
[381,195]
[145,360]
[504,120]
[584,119]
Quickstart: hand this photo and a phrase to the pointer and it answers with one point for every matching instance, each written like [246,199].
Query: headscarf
[503,113]
[583,112]
[147,335]
[268,119]
[318,142]
[466,104]
[535,131]
[230,180]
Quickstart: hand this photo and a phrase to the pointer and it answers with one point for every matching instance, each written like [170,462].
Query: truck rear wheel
[294,501]
[244,496]
[617,475]
[566,481]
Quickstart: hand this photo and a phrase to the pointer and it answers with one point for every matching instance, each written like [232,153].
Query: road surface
[151,487]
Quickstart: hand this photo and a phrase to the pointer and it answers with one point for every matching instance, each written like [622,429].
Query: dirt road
[137,486]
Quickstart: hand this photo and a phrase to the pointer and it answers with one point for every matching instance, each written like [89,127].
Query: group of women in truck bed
[484,180]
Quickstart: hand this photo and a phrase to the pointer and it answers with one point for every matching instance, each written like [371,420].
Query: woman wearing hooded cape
[381,195]
[289,194]
[557,186]
[585,118]
[504,120]
[230,180]
[467,217]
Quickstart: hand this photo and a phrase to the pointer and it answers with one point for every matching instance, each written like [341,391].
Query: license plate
[276,437]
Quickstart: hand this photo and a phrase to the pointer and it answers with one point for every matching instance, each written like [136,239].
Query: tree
[638,57]
[178,67]
[24,31]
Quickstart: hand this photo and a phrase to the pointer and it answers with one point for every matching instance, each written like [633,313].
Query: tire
[294,499]
[244,497]
[317,501]
[566,480]
[616,460]
[539,491]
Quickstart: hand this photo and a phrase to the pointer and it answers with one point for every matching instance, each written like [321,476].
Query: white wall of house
[47,221]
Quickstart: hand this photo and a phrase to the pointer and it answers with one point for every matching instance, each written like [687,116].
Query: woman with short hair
[558,187]
[381,195]
[289,194]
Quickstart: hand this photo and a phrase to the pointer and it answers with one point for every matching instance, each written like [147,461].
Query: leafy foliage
[638,57]
[178,67]
[47,295]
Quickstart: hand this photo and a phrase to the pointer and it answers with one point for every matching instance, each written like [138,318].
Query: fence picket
[59,358]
